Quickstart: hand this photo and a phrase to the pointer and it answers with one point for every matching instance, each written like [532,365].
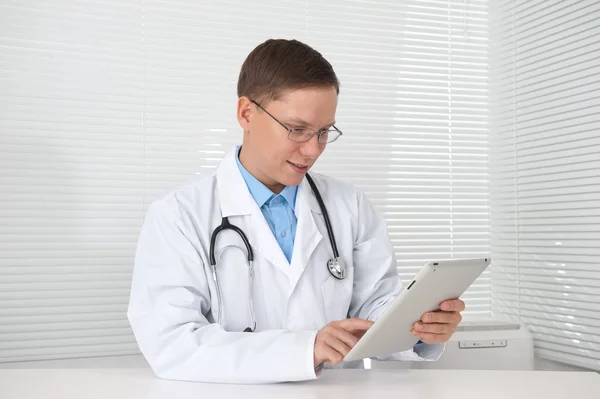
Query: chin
[292,180]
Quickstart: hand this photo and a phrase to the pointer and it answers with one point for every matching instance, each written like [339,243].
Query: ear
[244,113]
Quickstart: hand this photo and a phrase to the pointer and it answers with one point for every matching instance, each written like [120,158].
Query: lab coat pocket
[336,298]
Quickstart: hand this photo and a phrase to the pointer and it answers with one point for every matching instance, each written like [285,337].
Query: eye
[299,131]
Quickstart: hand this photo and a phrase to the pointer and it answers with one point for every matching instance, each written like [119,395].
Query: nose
[312,148]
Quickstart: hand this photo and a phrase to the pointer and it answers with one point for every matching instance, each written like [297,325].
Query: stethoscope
[335,265]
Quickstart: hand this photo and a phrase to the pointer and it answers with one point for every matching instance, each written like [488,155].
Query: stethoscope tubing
[336,269]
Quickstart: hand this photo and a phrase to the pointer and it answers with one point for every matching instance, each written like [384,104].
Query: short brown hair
[278,65]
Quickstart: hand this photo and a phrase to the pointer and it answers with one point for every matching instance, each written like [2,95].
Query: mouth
[299,168]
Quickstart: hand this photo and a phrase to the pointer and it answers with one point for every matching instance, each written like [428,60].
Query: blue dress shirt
[278,209]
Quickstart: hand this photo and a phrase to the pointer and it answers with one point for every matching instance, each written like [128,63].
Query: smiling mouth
[298,167]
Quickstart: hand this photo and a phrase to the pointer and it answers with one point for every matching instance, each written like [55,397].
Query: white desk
[138,382]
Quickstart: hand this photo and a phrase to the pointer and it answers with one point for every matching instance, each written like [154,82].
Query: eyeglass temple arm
[287,128]
[268,113]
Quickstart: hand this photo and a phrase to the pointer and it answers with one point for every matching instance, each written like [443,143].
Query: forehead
[314,105]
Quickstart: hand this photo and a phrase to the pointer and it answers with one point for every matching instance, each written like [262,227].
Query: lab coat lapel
[266,244]
[308,235]
[236,200]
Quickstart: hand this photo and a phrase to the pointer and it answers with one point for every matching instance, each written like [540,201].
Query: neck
[247,163]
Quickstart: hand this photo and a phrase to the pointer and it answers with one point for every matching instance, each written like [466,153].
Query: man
[191,318]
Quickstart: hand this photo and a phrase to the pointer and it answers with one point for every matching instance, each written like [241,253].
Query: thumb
[358,333]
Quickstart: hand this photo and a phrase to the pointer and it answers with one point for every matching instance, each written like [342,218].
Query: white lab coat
[173,305]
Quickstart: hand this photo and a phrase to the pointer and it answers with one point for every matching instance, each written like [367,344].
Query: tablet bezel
[436,281]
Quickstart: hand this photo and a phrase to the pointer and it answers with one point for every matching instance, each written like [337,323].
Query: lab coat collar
[236,200]
[234,196]
[259,191]
[305,194]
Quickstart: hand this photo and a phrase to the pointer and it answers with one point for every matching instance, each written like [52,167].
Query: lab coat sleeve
[169,300]
[376,280]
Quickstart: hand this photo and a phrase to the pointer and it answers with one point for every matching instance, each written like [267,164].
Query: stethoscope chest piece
[336,268]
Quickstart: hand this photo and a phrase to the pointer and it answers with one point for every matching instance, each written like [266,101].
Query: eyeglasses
[304,134]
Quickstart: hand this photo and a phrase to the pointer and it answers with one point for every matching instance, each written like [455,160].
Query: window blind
[545,158]
[105,105]
[414,104]
[71,176]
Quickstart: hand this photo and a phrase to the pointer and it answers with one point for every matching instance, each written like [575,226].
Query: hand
[335,340]
[438,327]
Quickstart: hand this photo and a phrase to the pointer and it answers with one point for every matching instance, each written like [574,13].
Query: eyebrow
[299,121]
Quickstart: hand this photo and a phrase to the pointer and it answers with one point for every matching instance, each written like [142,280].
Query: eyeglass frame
[313,133]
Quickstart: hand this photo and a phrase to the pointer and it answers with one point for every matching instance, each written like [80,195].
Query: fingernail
[445,306]
[418,327]
[427,318]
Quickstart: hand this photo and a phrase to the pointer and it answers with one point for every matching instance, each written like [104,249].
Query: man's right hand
[335,340]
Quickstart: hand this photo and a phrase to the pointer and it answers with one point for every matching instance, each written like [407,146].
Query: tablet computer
[436,282]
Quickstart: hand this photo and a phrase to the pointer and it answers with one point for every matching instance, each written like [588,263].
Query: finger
[346,337]
[358,333]
[433,339]
[330,355]
[355,324]
[442,317]
[435,328]
[452,305]
[340,347]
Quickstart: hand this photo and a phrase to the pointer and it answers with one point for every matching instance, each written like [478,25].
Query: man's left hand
[437,327]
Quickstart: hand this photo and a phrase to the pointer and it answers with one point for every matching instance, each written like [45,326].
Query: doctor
[213,316]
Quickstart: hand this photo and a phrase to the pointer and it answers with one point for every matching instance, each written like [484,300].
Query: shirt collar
[259,191]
